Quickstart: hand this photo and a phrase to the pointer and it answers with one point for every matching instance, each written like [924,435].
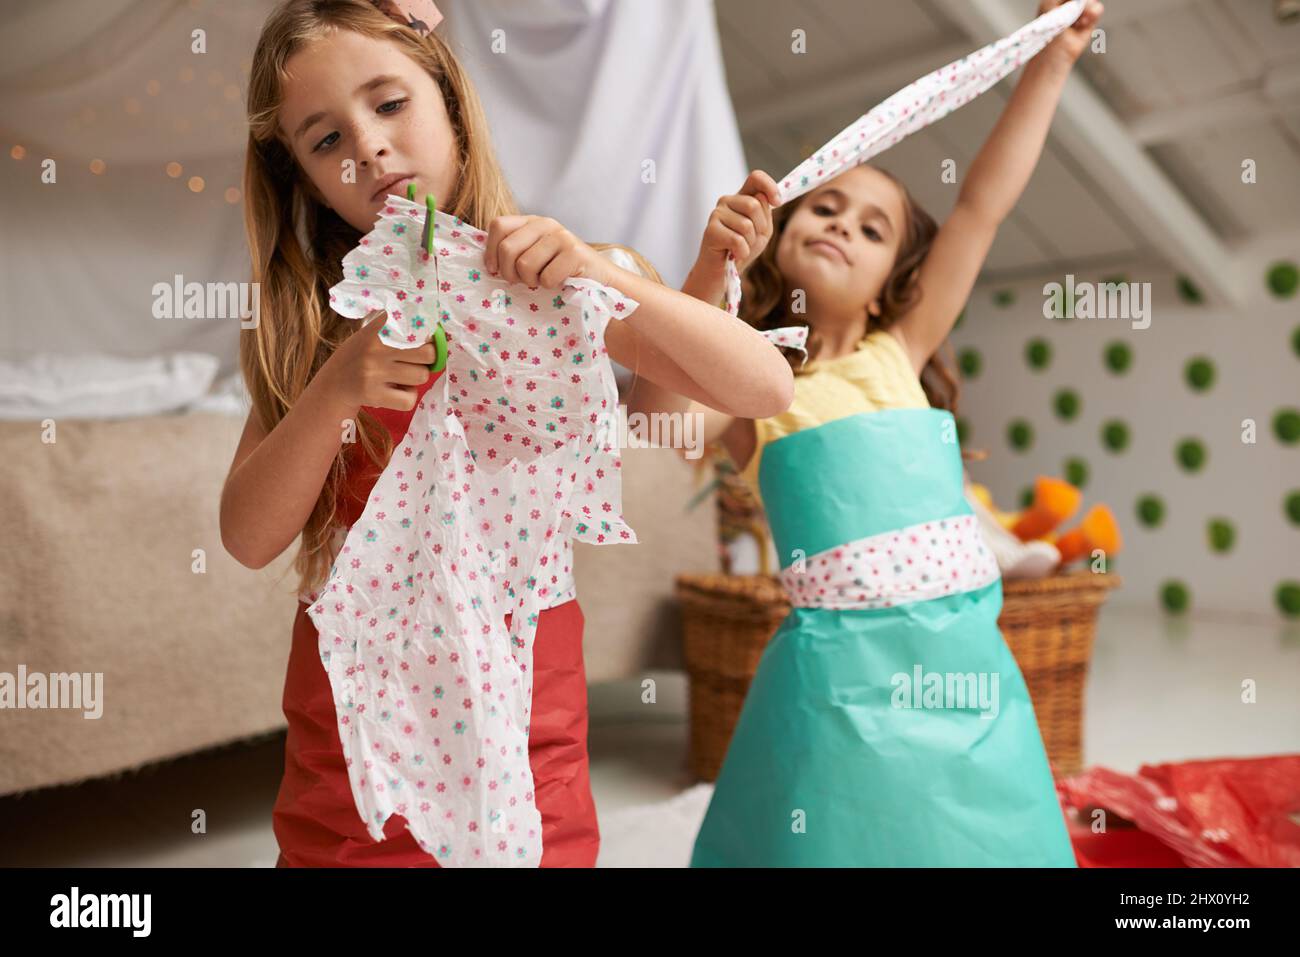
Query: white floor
[1160,690]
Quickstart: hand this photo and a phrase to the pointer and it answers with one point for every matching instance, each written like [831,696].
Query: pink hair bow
[420,15]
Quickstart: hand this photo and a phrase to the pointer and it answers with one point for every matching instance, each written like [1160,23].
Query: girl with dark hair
[888,723]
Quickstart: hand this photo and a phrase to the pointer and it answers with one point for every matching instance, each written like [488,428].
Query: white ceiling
[1145,157]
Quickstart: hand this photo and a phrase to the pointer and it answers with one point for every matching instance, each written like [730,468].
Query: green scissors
[426,240]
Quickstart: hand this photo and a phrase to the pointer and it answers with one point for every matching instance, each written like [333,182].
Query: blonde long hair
[297,244]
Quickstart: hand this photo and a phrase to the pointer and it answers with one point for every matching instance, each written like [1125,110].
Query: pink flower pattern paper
[915,107]
[787,337]
[916,563]
[504,460]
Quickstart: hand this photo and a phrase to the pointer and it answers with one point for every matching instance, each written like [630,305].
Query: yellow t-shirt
[878,375]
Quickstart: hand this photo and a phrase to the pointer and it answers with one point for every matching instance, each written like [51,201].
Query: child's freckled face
[841,242]
[397,126]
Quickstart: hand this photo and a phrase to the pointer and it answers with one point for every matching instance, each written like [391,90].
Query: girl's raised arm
[698,351]
[690,347]
[740,226]
[997,178]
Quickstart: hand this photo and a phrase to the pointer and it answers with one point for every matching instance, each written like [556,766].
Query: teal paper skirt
[853,749]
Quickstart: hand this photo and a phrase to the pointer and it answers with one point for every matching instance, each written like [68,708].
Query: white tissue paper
[512,449]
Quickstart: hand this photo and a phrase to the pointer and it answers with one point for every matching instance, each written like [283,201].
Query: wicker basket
[1048,623]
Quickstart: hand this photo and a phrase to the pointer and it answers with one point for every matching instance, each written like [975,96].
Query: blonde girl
[888,723]
[347,103]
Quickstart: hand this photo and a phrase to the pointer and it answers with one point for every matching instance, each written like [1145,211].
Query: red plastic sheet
[1238,812]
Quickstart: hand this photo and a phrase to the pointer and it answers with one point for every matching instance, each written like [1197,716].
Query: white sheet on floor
[654,835]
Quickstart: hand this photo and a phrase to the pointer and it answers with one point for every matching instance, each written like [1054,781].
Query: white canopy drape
[587,92]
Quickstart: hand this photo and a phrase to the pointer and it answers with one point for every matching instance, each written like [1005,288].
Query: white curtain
[583,95]
[119,81]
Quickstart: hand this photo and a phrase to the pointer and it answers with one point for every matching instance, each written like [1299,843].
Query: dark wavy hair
[765,296]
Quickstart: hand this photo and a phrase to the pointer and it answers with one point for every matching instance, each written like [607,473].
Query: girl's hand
[538,251]
[739,227]
[367,371]
[1074,39]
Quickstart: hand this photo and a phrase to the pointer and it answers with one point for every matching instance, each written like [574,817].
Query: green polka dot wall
[1067,404]
[1175,597]
[1196,374]
[1283,278]
[1287,597]
[1020,435]
[1286,426]
[1076,471]
[1221,534]
[1291,506]
[1115,435]
[1118,357]
[1191,455]
[1150,510]
[1189,292]
[1038,352]
[1199,373]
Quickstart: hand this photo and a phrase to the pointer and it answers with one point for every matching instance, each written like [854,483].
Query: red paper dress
[315,818]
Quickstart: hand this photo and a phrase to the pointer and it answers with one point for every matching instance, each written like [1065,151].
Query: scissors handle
[426,240]
[440,346]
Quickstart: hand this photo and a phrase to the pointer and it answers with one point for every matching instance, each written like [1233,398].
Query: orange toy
[1098,530]
[1055,500]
